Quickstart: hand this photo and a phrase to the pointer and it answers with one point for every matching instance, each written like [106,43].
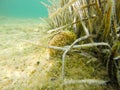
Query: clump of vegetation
[96,24]
[62,38]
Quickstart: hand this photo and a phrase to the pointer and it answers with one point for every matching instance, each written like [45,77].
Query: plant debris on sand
[26,66]
[23,66]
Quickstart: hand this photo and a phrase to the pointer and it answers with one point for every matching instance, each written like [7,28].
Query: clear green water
[23,8]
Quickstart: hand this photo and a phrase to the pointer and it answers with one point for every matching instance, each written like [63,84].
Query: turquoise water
[23,8]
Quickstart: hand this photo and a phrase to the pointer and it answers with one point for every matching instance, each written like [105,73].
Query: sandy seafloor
[22,64]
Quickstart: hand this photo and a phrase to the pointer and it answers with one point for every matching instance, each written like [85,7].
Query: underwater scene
[59,45]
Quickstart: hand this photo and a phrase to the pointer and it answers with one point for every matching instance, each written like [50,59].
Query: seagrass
[96,17]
